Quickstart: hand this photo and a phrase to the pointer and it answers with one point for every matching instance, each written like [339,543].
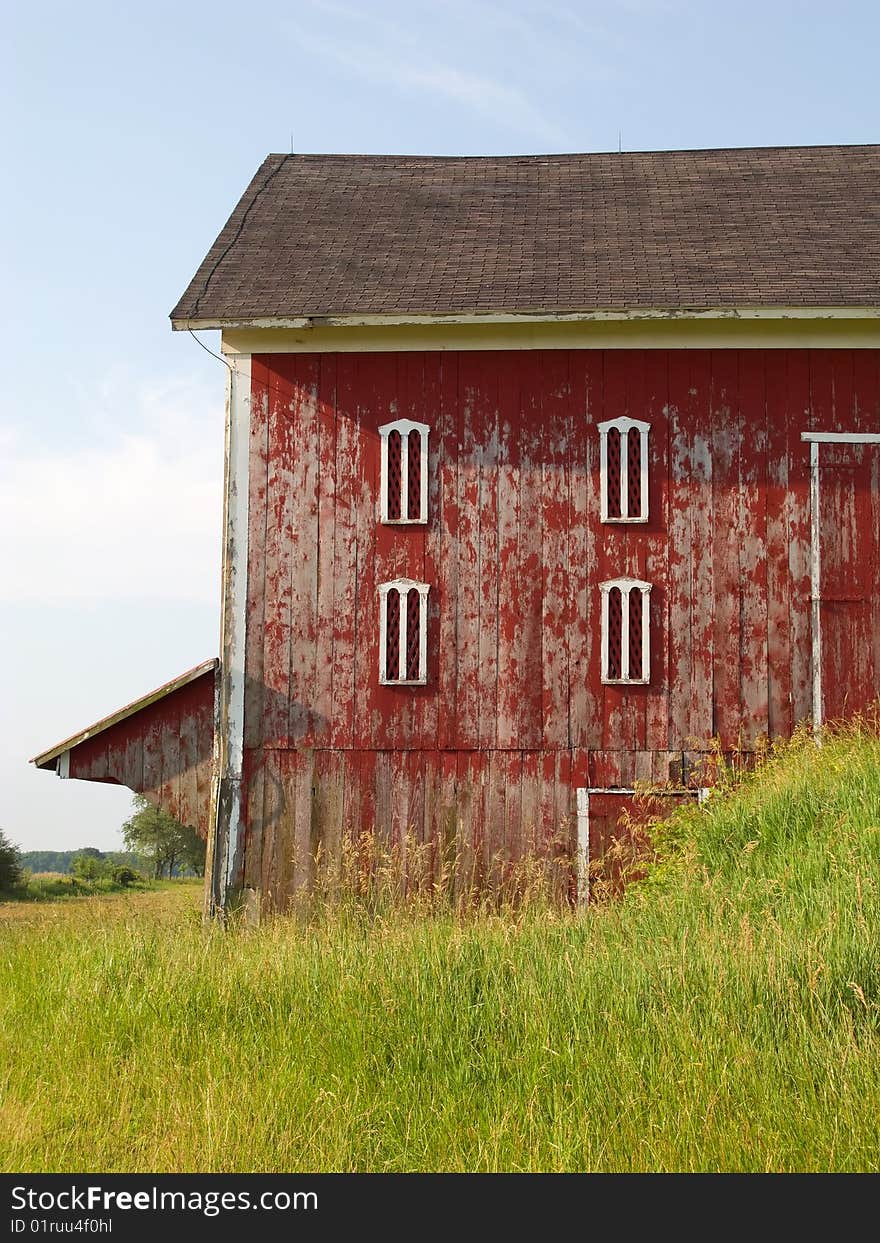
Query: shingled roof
[338,235]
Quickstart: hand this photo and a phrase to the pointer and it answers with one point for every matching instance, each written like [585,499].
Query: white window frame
[404,586]
[404,427]
[626,585]
[624,426]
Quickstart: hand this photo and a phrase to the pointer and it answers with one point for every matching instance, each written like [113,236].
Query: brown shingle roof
[379,234]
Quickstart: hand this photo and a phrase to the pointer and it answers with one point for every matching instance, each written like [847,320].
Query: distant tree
[169,846]
[89,864]
[125,876]
[10,863]
[46,860]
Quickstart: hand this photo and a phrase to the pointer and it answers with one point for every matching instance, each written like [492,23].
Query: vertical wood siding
[163,751]
[514,716]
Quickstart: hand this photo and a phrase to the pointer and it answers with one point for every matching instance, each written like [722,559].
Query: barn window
[626,638]
[403,633]
[404,471]
[623,470]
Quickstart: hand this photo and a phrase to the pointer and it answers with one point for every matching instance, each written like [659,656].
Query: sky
[131,131]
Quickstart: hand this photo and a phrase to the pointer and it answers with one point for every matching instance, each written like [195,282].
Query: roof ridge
[567,155]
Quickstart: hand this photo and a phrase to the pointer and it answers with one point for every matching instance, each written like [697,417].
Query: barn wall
[514,551]
[163,751]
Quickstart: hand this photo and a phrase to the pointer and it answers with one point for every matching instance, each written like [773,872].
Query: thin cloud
[135,516]
[396,63]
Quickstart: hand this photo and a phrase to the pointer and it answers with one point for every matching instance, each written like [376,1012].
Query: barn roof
[341,235]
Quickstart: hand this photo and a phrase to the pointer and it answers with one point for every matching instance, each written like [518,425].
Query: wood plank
[799,418]
[586,369]
[188,751]
[614,558]
[657,548]
[255,836]
[556,580]
[528,834]
[698,404]
[680,586]
[493,837]
[345,552]
[280,489]
[327,814]
[525,588]
[778,509]
[302,762]
[284,771]
[267,813]
[326,552]
[305,541]
[485,421]
[753,663]
[726,540]
[258,473]
[443,550]
[510,628]
[426,704]
[470,683]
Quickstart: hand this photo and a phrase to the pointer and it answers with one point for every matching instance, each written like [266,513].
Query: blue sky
[131,130]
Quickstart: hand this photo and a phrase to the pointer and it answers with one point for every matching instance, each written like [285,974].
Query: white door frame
[583,825]
[815,439]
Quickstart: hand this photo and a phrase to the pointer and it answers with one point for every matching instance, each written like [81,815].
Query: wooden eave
[537,316]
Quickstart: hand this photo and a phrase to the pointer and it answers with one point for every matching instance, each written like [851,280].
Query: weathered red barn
[541,473]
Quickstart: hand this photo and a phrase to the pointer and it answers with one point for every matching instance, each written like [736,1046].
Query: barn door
[845,540]
[612,817]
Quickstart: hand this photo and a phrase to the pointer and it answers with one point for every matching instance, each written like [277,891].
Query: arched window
[403,633]
[404,471]
[626,631]
[623,470]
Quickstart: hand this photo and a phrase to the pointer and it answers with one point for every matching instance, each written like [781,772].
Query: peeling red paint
[514,550]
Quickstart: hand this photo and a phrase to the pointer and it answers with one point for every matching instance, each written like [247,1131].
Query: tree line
[157,844]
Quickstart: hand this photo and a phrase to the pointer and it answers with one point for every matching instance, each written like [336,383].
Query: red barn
[542,472]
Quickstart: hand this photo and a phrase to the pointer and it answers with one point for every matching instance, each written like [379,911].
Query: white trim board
[225,829]
[553,333]
[841,438]
[539,315]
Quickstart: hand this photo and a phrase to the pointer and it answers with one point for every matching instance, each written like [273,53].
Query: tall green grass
[724,1015]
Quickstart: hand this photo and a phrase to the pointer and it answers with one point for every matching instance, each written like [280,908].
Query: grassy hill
[724,1015]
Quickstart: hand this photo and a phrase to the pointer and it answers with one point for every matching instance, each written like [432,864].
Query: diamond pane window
[392,488]
[623,470]
[625,621]
[404,472]
[403,633]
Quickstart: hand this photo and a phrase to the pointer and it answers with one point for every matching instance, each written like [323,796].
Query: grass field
[726,1015]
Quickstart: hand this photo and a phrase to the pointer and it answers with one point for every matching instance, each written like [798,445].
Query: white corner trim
[227,812]
[63,765]
[583,846]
